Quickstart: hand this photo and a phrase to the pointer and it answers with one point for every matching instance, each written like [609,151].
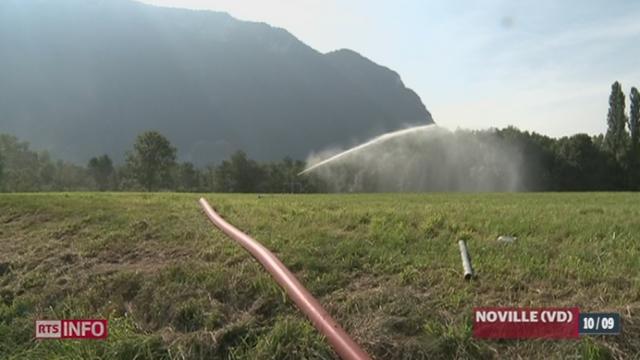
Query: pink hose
[342,343]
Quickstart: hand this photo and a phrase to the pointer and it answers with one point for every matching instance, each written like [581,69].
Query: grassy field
[386,266]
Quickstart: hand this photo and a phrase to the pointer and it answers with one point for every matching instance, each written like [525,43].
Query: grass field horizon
[386,266]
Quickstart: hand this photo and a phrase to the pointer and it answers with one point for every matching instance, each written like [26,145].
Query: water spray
[424,158]
[377,140]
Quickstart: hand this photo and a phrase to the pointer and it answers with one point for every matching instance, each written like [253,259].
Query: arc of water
[380,139]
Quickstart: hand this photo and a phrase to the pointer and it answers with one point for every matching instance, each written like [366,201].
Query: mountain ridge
[84,77]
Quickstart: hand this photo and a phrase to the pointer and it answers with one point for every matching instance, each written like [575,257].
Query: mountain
[84,77]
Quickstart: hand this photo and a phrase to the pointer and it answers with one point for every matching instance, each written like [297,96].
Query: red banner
[525,323]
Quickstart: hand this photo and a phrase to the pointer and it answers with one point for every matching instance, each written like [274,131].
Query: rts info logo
[71,329]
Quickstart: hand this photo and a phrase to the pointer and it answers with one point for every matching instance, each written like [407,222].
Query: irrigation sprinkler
[341,342]
[466,260]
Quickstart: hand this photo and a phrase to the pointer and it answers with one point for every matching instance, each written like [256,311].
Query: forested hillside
[83,77]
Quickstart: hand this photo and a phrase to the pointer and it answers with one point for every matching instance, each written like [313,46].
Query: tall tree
[188,177]
[239,174]
[617,137]
[1,170]
[102,171]
[23,168]
[152,160]
[634,147]
[634,119]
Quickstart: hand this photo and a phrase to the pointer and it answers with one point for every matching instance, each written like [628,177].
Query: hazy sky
[542,65]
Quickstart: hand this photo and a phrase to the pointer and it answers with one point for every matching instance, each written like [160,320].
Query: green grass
[386,267]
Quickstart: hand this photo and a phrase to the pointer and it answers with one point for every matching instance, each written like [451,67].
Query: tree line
[579,162]
[150,166]
[582,162]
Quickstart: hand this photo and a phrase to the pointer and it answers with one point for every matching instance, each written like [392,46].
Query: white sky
[541,65]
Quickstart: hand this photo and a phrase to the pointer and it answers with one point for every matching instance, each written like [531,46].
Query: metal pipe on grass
[466,260]
[341,342]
